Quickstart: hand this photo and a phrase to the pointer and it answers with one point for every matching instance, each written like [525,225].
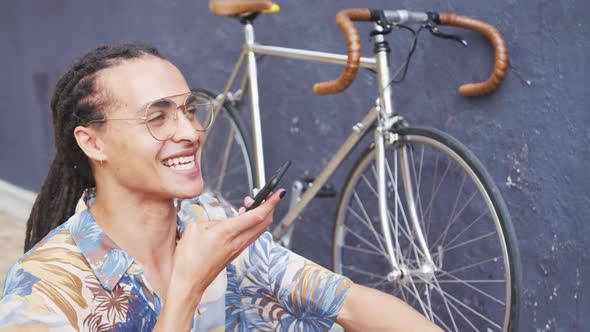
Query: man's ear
[90,143]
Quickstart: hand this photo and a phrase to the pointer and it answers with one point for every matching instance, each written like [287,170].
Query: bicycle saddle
[238,7]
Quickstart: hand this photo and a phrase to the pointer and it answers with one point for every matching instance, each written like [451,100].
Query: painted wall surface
[533,134]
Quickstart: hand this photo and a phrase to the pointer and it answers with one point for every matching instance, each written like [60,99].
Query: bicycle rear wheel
[467,228]
[225,162]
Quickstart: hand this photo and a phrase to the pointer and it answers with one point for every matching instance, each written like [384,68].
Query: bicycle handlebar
[345,19]
[500,50]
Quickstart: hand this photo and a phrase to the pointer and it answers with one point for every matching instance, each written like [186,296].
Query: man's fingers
[246,238]
[248,201]
[271,201]
[250,235]
[254,217]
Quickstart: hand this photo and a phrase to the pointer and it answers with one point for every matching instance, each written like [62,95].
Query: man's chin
[185,191]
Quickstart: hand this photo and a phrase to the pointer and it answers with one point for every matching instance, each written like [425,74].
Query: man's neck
[144,227]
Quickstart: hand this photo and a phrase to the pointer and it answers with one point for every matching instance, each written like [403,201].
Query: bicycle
[413,198]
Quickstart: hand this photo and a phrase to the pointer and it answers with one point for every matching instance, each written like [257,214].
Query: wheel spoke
[434,181]
[474,281]
[445,294]
[414,292]
[466,228]
[458,213]
[368,223]
[364,272]
[470,241]
[404,297]
[370,186]
[418,181]
[366,251]
[443,235]
[413,303]
[430,204]
[494,259]
[376,285]
[415,247]
[398,207]
[446,304]
[442,322]
[463,316]
[226,151]
[469,282]
[364,240]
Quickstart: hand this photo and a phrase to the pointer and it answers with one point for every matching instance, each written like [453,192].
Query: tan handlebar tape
[345,19]
[500,50]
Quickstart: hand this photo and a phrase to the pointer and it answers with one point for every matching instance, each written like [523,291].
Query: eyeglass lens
[162,115]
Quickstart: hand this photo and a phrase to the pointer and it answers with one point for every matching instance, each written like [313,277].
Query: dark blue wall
[535,129]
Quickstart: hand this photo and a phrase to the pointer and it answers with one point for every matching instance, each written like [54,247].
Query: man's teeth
[180,162]
[188,165]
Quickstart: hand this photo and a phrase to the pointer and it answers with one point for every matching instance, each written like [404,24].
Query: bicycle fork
[388,219]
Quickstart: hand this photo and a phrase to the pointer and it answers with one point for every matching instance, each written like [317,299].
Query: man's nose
[185,129]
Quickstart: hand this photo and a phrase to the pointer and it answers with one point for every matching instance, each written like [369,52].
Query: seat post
[255,107]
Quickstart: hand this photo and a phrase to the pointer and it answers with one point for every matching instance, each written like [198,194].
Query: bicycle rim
[466,226]
[225,162]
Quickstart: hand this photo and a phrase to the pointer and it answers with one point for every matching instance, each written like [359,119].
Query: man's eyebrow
[157,102]
[141,109]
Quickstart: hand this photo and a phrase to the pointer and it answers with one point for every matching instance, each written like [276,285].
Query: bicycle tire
[349,228]
[226,145]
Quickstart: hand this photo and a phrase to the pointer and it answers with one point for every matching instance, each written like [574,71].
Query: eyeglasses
[161,116]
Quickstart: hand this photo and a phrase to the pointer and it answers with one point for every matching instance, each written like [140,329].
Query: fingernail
[282,194]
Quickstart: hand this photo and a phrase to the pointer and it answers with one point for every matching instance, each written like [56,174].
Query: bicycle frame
[383,114]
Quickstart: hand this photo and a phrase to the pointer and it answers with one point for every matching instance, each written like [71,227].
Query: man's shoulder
[56,256]
[58,240]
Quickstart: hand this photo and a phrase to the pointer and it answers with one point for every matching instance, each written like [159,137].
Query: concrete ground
[12,236]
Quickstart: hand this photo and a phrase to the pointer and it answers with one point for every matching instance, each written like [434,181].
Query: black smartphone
[269,186]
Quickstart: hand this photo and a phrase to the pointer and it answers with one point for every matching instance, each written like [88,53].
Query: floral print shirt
[78,279]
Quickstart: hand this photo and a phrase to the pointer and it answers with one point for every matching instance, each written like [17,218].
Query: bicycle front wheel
[225,161]
[474,283]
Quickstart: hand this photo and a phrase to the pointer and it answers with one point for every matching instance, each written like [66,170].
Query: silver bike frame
[382,113]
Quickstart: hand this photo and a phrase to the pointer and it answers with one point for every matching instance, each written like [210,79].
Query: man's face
[135,159]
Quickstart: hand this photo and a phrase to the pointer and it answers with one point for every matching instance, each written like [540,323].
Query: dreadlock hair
[76,101]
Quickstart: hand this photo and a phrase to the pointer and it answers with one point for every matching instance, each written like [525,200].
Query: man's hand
[205,250]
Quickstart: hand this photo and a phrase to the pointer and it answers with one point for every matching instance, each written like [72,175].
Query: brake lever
[435,31]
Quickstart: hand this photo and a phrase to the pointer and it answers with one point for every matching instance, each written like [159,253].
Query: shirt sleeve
[279,289]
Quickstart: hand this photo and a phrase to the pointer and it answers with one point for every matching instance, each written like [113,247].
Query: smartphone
[269,186]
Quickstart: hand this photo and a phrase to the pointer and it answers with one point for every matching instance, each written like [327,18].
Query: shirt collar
[109,261]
